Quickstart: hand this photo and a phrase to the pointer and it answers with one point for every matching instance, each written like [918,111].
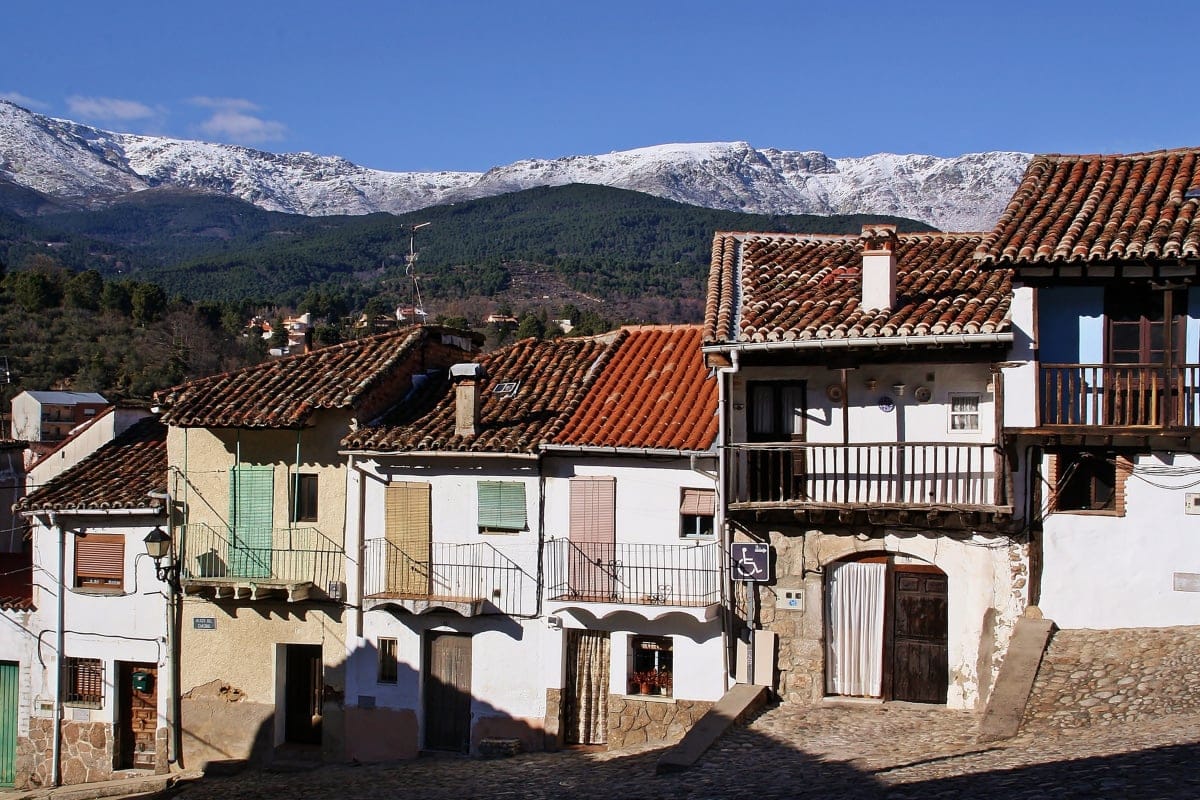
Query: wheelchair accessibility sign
[750,561]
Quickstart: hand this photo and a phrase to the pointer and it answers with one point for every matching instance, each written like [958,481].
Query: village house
[49,416]
[860,396]
[95,655]
[531,516]
[18,638]
[260,489]
[1103,390]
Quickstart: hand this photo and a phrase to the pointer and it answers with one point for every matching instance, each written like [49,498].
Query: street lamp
[158,547]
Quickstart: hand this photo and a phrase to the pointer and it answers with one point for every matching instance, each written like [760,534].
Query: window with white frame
[964,413]
[696,512]
[501,506]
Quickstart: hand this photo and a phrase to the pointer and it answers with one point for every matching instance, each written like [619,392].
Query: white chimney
[466,379]
[878,267]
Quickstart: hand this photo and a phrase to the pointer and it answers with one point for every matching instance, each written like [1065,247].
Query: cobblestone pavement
[861,751]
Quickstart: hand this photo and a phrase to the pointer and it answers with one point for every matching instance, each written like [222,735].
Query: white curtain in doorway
[854,629]
[588,661]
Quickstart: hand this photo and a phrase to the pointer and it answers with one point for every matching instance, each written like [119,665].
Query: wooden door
[447,692]
[920,666]
[137,715]
[304,687]
[592,566]
[408,529]
[585,699]
[251,513]
[9,698]
[776,413]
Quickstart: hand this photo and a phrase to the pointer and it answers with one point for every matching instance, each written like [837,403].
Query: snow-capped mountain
[76,162]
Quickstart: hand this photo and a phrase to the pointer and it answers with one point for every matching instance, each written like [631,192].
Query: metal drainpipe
[724,379]
[56,739]
[174,735]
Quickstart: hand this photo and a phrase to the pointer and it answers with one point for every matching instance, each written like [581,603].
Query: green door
[8,722]
[251,498]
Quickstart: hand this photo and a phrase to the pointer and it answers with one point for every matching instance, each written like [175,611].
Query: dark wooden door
[137,715]
[776,413]
[920,666]
[448,692]
[303,690]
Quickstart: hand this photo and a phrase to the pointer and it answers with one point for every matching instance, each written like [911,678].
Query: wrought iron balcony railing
[638,574]
[909,474]
[468,572]
[275,555]
[1119,395]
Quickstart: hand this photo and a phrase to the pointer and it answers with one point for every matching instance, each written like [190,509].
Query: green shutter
[9,697]
[251,501]
[501,506]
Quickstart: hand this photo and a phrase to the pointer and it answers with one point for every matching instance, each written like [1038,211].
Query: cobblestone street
[857,751]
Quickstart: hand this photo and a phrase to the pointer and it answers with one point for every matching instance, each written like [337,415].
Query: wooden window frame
[509,514]
[638,664]
[83,681]
[104,569]
[1059,463]
[305,497]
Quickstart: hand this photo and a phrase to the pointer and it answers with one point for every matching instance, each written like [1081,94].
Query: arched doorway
[886,629]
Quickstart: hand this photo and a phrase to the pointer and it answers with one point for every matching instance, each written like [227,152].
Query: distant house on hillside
[49,416]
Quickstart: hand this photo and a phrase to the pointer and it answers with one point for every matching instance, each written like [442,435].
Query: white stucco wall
[1104,571]
[127,626]
[83,443]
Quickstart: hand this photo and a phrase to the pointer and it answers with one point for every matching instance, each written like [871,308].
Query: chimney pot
[466,379]
[878,267]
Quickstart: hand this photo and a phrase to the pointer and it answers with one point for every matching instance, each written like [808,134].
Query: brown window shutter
[698,502]
[593,509]
[100,555]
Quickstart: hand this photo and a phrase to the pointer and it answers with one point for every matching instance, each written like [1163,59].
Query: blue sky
[469,85]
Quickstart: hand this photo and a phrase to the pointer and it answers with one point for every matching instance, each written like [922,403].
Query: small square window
[1086,481]
[696,511]
[964,412]
[304,503]
[651,666]
[501,506]
[83,680]
[100,562]
[389,665]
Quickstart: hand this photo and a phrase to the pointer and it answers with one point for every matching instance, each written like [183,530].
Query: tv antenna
[410,269]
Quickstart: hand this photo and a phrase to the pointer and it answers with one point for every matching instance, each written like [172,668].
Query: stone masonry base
[634,722]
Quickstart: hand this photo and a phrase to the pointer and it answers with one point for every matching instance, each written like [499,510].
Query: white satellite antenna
[410,269]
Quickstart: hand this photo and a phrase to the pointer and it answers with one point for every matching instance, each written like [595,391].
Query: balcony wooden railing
[469,572]
[909,474]
[1119,395]
[637,574]
[276,555]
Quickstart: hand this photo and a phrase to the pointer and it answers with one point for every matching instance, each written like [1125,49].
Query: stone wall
[87,752]
[1093,677]
[635,722]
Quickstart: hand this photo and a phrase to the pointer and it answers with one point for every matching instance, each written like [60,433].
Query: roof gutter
[625,451]
[936,340]
[437,453]
[87,512]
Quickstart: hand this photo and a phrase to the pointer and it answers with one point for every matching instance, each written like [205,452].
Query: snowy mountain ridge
[77,162]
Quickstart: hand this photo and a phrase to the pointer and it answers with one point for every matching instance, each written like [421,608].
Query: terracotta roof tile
[284,393]
[654,393]
[551,379]
[785,287]
[119,474]
[1096,208]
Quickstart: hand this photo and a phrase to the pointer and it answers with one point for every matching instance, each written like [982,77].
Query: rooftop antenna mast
[410,269]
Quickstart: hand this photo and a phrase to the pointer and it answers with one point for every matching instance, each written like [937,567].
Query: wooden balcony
[1130,396]
[911,483]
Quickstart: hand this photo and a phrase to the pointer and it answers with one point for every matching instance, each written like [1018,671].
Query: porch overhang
[647,611]
[251,589]
[428,604]
[1144,438]
[964,518]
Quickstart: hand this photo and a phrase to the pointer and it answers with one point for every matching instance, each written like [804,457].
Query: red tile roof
[120,474]
[550,377]
[284,393]
[785,287]
[1095,208]
[655,393]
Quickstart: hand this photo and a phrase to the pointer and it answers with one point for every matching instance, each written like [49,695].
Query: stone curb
[115,788]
